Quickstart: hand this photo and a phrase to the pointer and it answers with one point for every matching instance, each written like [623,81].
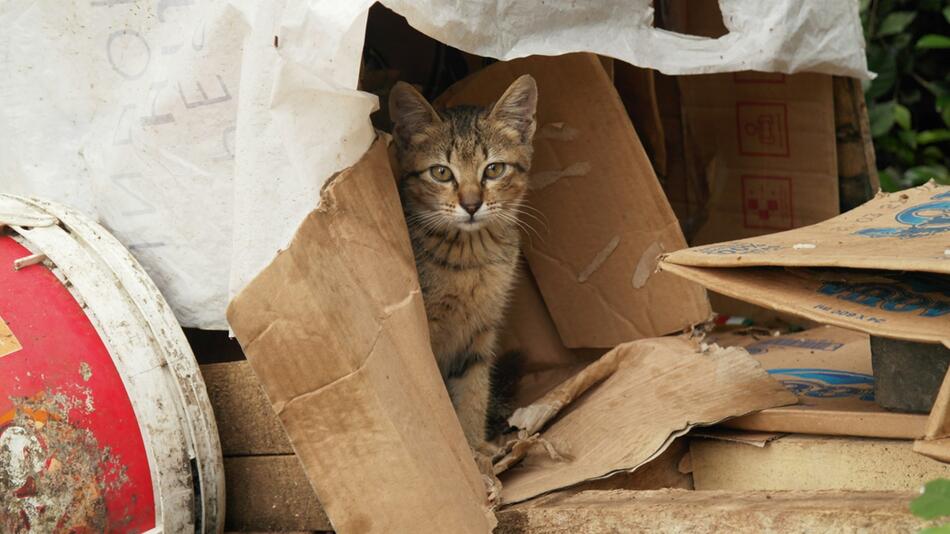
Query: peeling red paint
[72,457]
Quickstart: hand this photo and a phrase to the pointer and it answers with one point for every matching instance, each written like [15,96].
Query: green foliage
[933,503]
[908,46]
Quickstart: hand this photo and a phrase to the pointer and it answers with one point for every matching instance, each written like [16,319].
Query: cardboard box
[336,332]
[829,368]
[802,462]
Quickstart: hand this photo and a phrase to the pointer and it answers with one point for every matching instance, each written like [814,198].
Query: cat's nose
[471,207]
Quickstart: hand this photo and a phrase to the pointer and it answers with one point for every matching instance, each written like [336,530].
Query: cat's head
[464,167]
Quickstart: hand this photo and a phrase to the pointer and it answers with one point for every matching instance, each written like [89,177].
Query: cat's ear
[409,112]
[517,106]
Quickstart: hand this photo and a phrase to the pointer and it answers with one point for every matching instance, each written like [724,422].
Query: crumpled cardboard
[627,407]
[336,331]
[829,368]
[880,268]
[604,218]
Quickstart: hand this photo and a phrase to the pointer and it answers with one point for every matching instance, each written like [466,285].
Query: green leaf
[895,23]
[933,136]
[932,154]
[933,40]
[908,137]
[881,117]
[934,501]
[946,13]
[902,116]
[889,180]
[942,529]
[884,63]
[915,176]
[943,107]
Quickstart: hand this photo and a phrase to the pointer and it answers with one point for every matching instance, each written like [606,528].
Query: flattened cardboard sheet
[336,331]
[881,268]
[829,368]
[605,217]
[658,390]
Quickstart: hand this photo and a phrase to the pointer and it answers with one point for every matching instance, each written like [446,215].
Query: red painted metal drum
[105,424]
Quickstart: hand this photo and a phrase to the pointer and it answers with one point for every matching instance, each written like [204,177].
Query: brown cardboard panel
[881,268]
[895,231]
[637,89]
[271,494]
[766,145]
[336,331]
[651,392]
[829,368]
[895,305]
[606,216]
[596,512]
[799,462]
[546,362]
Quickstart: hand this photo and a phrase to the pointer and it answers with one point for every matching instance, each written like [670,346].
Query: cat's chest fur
[466,278]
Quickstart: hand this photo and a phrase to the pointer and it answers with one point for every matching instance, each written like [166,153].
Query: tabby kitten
[464,175]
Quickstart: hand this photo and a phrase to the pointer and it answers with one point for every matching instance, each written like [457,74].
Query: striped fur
[465,230]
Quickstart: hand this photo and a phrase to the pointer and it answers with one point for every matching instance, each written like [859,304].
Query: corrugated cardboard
[652,391]
[336,331]
[800,462]
[881,268]
[766,144]
[605,217]
[829,368]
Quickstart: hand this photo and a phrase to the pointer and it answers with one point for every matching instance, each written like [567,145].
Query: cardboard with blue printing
[829,369]
[882,268]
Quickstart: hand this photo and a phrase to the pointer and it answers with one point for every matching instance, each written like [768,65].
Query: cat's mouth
[472,223]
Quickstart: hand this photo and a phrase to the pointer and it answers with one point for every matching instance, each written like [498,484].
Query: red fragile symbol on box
[762,128]
[767,202]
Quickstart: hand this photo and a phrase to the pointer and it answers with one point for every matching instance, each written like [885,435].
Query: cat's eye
[440,173]
[494,170]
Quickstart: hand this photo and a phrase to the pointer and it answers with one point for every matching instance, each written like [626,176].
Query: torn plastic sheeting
[198,95]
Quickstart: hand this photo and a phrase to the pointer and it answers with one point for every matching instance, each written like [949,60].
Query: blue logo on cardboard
[922,220]
[827,383]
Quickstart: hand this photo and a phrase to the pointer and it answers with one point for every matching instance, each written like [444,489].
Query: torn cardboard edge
[660,388]
[335,330]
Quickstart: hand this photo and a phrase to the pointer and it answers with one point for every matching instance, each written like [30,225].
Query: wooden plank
[683,511]
[270,494]
[246,422]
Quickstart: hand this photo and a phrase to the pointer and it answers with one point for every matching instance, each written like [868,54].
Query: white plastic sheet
[184,129]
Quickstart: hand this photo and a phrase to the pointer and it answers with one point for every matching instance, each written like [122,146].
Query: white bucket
[105,423]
